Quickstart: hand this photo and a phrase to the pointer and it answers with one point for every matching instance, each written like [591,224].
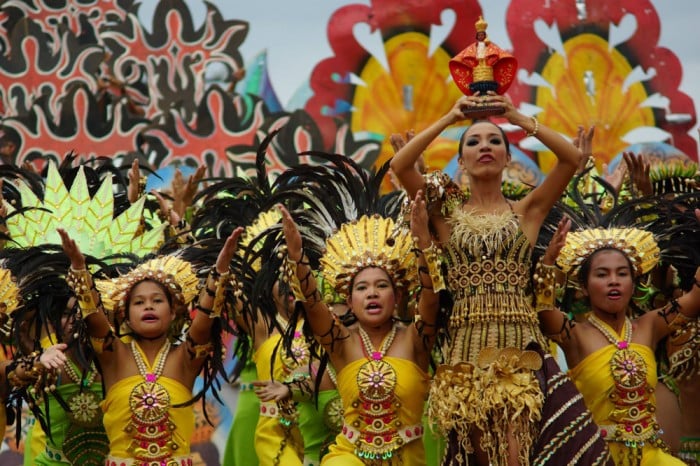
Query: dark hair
[464,136]
[585,269]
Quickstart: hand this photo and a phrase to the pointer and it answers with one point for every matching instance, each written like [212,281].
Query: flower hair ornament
[371,241]
[639,246]
[175,274]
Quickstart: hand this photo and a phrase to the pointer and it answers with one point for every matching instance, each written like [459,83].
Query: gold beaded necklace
[150,426]
[634,420]
[85,404]
[377,403]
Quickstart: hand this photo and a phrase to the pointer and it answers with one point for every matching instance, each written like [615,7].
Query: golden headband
[639,246]
[176,275]
[369,242]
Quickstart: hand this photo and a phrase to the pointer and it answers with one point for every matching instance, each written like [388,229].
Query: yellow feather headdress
[637,245]
[175,274]
[369,242]
[263,221]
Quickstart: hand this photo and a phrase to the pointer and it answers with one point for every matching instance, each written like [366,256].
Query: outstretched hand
[584,143]
[77,259]
[134,176]
[223,261]
[291,235]
[53,357]
[557,242]
[638,168]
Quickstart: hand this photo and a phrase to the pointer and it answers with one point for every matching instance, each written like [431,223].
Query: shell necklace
[378,405]
[150,427]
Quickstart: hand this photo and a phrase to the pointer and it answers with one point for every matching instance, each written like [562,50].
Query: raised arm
[538,203]
[81,282]
[553,323]
[430,275]
[688,305]
[211,302]
[403,165]
[326,328]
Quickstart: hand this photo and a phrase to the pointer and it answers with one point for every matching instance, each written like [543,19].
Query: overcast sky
[294,34]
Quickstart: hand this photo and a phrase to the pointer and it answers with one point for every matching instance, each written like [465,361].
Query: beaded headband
[369,242]
[637,245]
[176,275]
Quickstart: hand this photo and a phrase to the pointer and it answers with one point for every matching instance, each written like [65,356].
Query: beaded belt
[185,460]
[407,434]
[269,409]
[56,455]
[613,433]
[690,450]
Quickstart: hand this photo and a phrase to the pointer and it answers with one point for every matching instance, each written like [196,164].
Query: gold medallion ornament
[378,425]
[633,414]
[85,404]
[150,426]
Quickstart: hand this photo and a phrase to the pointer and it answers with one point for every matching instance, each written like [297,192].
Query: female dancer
[487,242]
[148,380]
[612,357]
[380,365]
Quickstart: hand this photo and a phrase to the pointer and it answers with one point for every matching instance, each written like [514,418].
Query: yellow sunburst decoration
[264,221]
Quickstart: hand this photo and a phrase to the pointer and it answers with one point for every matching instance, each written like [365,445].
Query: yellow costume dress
[383,399]
[276,435]
[617,383]
[142,424]
[488,379]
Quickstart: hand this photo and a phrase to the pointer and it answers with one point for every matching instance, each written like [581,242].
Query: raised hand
[638,169]
[53,357]
[419,221]
[291,235]
[134,176]
[223,261]
[77,259]
[557,242]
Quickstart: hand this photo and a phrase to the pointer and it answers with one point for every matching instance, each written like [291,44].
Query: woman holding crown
[148,380]
[611,357]
[380,364]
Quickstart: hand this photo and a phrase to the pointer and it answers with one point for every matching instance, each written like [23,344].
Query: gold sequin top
[489,260]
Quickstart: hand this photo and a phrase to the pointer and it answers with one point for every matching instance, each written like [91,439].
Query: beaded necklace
[150,426]
[84,405]
[633,412]
[377,403]
[85,441]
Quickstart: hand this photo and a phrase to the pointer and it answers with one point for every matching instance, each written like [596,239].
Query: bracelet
[299,386]
[197,351]
[535,129]
[219,293]
[288,273]
[433,257]
[80,281]
[544,280]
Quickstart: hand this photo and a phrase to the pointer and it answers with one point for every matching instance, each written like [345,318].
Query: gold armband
[80,281]
[288,272]
[545,282]
[433,257]
[198,351]
[219,291]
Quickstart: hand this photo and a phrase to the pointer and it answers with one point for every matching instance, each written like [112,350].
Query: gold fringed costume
[488,381]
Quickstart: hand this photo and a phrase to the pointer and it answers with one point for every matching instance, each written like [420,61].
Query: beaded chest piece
[378,423]
[85,440]
[633,412]
[150,425]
